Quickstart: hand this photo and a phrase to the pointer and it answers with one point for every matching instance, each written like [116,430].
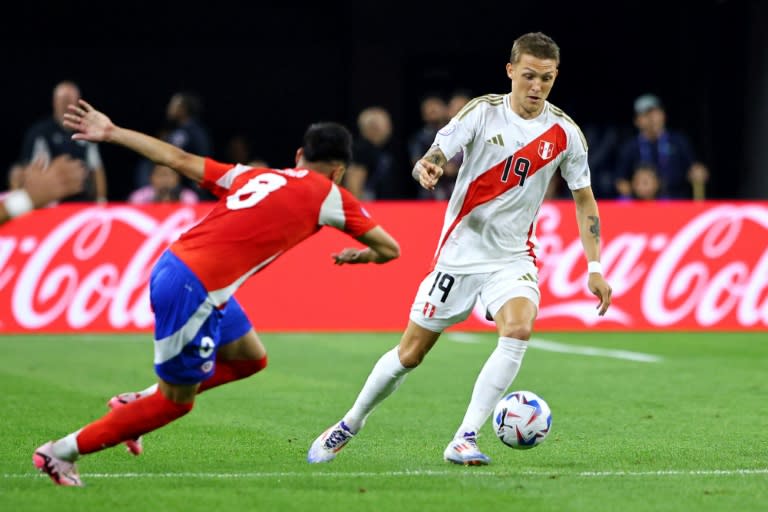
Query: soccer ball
[522,419]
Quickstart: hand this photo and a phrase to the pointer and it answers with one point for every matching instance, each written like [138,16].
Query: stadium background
[268,72]
[663,421]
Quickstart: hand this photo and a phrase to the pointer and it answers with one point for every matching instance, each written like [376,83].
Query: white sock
[149,391]
[66,447]
[496,376]
[386,376]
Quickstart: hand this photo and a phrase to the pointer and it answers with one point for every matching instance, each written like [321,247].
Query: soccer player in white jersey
[513,145]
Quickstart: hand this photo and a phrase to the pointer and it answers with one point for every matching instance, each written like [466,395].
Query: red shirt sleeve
[357,219]
[218,176]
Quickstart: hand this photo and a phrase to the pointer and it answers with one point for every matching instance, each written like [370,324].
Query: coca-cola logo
[56,280]
[701,270]
[691,266]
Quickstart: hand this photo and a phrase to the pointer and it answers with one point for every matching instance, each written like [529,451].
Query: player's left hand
[602,290]
[87,122]
[349,256]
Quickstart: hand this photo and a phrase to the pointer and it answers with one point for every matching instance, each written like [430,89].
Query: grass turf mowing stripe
[407,473]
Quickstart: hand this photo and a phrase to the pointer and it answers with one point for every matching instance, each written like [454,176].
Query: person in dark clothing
[670,152]
[49,138]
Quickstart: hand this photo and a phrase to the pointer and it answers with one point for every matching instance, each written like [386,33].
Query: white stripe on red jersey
[261,214]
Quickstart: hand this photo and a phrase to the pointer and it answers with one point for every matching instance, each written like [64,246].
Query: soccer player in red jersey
[202,336]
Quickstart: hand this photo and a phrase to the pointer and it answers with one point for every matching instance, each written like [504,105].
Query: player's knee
[411,357]
[517,330]
[248,367]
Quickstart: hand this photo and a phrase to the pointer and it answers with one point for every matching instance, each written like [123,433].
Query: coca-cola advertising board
[672,265]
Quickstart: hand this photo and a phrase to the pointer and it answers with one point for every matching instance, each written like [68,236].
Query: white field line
[565,348]
[423,473]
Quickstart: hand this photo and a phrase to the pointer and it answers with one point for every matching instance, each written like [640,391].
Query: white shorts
[445,299]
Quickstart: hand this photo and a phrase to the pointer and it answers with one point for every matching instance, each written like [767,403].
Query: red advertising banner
[672,265]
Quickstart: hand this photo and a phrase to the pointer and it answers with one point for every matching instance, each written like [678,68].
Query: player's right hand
[429,174]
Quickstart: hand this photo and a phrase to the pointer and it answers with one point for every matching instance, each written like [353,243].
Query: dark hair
[431,95]
[192,103]
[537,44]
[327,142]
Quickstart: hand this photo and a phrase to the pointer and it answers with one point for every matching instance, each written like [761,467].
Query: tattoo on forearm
[594,228]
[436,156]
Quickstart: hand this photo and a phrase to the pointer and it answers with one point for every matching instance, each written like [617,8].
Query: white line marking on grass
[409,473]
[554,346]
[565,348]
[463,337]
[678,472]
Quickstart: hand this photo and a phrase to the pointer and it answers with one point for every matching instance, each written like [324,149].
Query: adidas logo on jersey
[496,139]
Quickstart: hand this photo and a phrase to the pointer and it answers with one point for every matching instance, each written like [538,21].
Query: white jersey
[508,163]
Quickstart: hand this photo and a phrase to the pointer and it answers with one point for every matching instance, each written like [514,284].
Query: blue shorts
[189,329]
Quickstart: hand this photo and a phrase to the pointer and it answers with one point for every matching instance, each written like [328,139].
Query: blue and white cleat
[464,450]
[329,443]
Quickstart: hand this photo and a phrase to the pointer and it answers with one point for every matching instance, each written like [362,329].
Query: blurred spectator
[456,102]
[16,176]
[15,179]
[670,152]
[434,115]
[37,184]
[603,141]
[373,172]
[645,183]
[258,162]
[164,187]
[48,139]
[238,150]
[444,187]
[187,132]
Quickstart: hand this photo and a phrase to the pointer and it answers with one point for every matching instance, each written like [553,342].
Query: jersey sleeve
[458,133]
[218,176]
[575,167]
[343,211]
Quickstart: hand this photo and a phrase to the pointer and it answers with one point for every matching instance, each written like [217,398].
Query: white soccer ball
[522,419]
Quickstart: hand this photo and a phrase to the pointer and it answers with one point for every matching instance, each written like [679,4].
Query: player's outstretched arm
[381,249]
[64,177]
[429,169]
[589,229]
[91,125]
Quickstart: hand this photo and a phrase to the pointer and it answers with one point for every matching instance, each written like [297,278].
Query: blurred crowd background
[673,99]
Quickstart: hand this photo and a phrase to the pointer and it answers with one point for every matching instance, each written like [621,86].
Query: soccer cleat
[62,472]
[464,450]
[134,446]
[325,447]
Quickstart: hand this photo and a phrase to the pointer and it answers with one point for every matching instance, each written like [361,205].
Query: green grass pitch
[654,421]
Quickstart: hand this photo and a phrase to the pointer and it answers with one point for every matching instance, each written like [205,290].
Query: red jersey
[261,214]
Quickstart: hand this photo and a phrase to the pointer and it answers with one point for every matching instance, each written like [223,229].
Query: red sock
[233,369]
[129,422]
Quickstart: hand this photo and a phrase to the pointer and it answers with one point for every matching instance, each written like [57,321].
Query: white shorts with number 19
[445,299]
